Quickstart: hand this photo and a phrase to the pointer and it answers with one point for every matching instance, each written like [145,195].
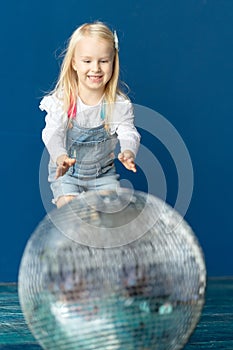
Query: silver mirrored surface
[112,270]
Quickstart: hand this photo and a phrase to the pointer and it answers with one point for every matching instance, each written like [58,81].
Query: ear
[73,64]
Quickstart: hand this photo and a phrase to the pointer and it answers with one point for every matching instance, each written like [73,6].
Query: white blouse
[54,133]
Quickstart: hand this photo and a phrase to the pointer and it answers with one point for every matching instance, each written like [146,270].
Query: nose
[95,66]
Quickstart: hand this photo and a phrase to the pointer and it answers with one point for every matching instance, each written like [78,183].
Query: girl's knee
[64,200]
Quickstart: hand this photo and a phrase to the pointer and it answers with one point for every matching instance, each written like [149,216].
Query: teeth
[95,78]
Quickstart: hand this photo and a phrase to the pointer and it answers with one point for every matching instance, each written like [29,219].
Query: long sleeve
[54,133]
[123,118]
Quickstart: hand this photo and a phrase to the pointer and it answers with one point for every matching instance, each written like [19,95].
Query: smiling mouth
[95,77]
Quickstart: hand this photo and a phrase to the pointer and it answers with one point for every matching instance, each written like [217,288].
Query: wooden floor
[215,329]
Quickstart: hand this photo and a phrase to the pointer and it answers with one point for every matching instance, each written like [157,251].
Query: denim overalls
[94,168]
[93,150]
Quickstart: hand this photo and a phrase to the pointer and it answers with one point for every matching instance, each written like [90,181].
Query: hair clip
[116,41]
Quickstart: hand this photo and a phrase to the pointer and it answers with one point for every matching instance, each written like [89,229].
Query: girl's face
[93,61]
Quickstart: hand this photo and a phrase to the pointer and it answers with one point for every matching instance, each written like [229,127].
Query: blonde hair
[67,82]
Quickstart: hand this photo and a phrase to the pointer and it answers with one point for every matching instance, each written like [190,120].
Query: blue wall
[176,56]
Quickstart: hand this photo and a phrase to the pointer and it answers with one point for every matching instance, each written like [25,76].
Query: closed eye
[100,61]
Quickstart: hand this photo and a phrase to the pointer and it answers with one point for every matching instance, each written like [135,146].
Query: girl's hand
[63,164]
[127,159]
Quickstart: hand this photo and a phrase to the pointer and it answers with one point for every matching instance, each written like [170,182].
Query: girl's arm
[127,133]
[54,132]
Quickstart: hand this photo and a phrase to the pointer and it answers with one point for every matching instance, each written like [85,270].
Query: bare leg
[64,200]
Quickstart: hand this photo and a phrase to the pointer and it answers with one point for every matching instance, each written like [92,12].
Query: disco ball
[112,270]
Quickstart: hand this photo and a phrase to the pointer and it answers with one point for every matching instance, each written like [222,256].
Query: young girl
[87,114]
